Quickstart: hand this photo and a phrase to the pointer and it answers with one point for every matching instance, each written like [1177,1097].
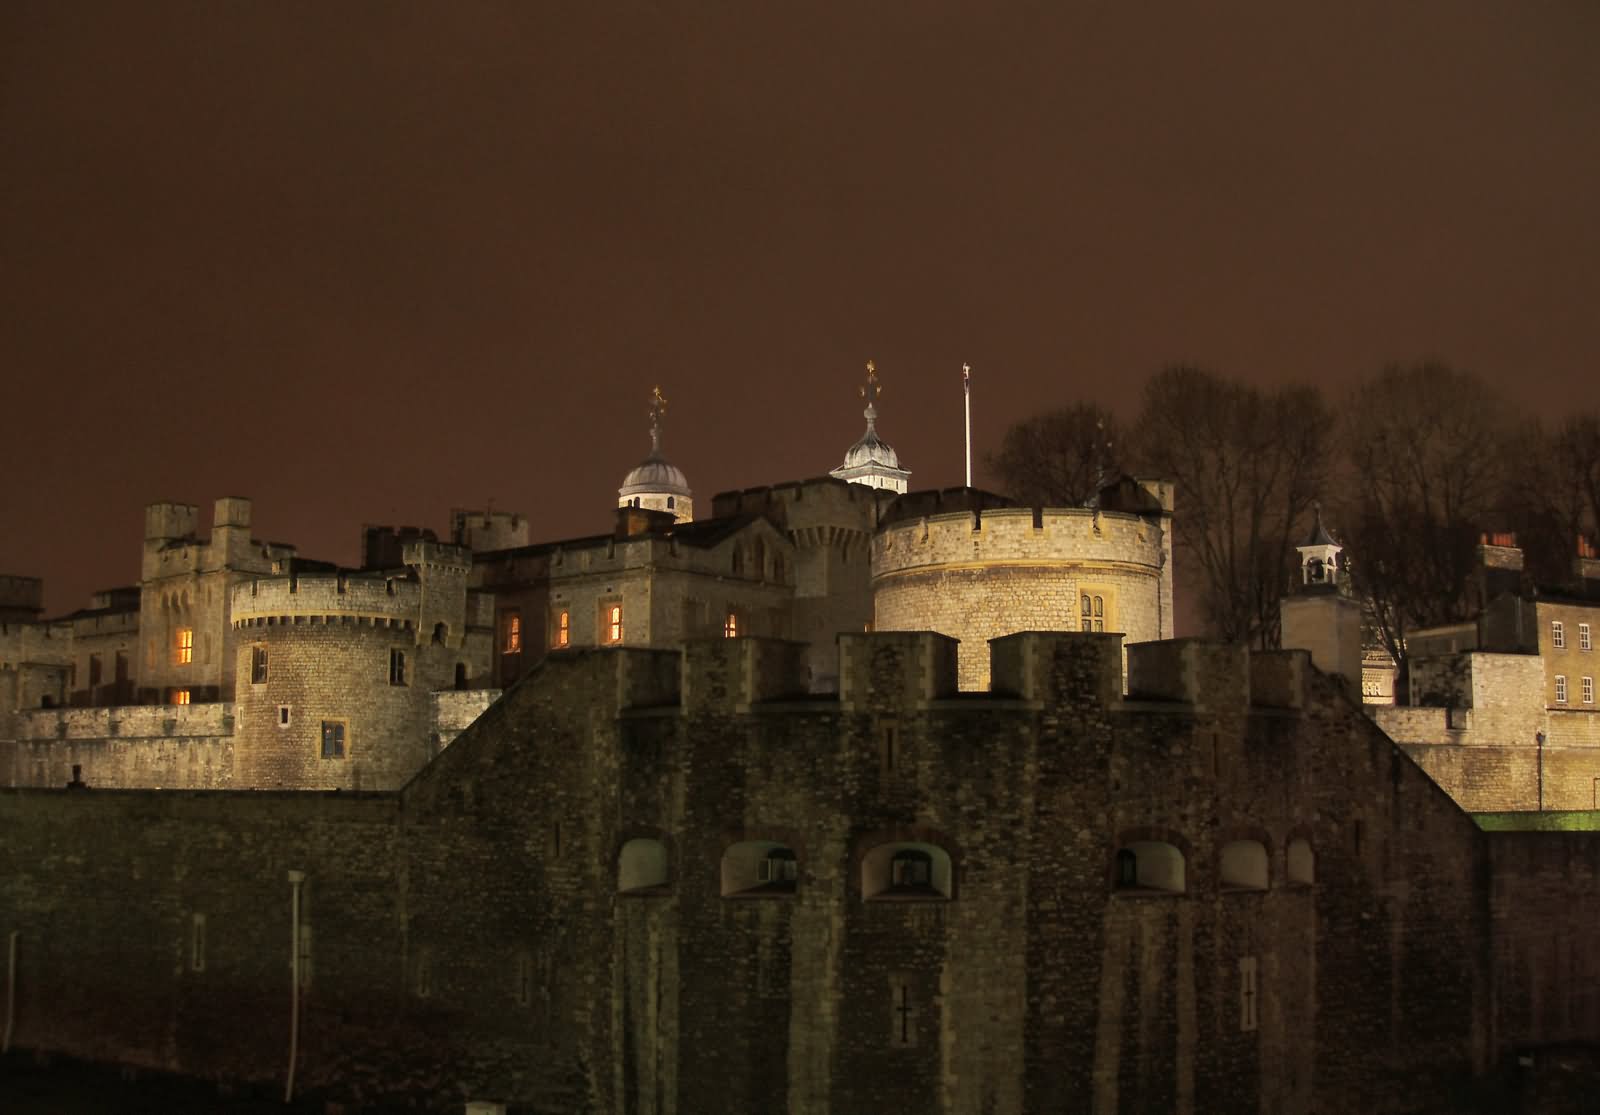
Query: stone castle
[844,799]
[238,664]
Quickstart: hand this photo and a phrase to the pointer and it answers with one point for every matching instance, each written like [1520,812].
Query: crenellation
[1213,677]
[895,671]
[346,595]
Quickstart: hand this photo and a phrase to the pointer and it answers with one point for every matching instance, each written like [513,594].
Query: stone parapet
[325,594]
[1024,535]
[126,722]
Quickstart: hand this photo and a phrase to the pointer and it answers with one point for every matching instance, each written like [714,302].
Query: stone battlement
[126,722]
[437,554]
[1018,535]
[904,670]
[326,594]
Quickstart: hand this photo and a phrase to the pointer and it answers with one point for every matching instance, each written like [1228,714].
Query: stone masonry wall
[1545,901]
[497,931]
[1488,736]
[104,887]
[169,746]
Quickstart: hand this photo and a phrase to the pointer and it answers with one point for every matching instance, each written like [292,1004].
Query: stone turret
[1320,616]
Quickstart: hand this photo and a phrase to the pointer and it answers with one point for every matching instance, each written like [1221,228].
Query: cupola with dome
[871,460]
[656,484]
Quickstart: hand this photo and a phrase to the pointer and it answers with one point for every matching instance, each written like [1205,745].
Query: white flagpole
[966,391]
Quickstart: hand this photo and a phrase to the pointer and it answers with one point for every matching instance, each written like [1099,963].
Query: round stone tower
[657,484]
[977,574]
[336,672]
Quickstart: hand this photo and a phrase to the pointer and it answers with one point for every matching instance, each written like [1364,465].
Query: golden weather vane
[873,388]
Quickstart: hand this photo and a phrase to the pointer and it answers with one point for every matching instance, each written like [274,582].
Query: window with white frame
[1588,691]
[1558,634]
[1583,636]
[1561,689]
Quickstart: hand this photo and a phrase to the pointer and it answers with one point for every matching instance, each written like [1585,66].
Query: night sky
[363,262]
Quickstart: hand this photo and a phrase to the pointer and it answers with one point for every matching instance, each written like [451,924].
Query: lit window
[397,667]
[258,665]
[1561,689]
[185,646]
[1558,634]
[333,739]
[563,628]
[1588,691]
[730,626]
[613,623]
[512,640]
[180,696]
[1583,636]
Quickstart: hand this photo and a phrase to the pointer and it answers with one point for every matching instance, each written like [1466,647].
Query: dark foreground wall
[154,927]
[483,934]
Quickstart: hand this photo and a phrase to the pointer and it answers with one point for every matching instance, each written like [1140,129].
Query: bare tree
[1426,453]
[1248,465]
[1059,458]
[1553,497]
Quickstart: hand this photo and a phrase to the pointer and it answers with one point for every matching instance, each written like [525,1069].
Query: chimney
[642,520]
[1586,568]
[1499,566]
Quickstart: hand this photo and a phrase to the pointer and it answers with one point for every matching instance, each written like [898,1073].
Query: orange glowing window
[184,650]
[180,696]
[513,633]
[563,628]
[613,623]
[730,626]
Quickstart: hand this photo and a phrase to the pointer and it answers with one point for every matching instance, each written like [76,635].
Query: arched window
[441,632]
[738,560]
[1093,613]
[672,502]
[1150,867]
[1243,866]
[730,626]
[642,867]
[759,868]
[906,872]
[461,675]
[1300,862]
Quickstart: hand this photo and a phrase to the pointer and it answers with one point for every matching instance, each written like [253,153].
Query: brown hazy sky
[366,261]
